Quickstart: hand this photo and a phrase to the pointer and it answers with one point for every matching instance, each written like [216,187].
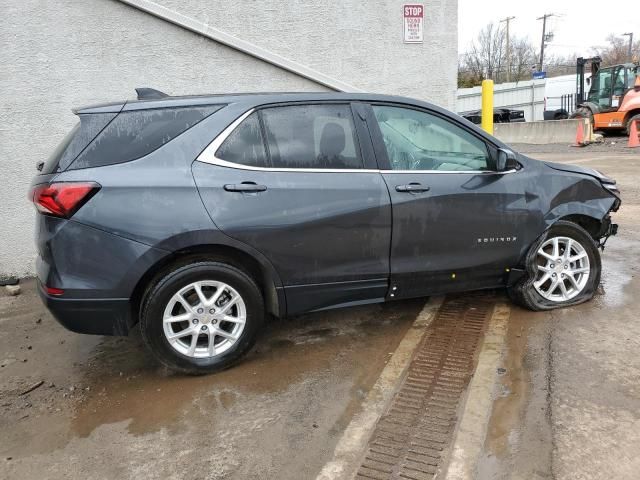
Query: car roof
[249,99]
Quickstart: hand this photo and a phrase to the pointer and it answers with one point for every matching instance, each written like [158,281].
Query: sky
[578,25]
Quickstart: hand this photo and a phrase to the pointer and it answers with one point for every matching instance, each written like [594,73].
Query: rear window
[134,134]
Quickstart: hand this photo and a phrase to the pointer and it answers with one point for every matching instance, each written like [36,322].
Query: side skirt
[322,296]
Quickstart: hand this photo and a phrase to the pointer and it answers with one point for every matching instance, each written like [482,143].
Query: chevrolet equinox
[197,216]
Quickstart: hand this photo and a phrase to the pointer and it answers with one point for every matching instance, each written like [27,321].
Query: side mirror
[506,161]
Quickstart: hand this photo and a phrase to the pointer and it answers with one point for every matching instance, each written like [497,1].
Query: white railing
[526,95]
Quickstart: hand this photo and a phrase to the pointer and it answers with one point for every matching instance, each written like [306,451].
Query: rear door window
[311,136]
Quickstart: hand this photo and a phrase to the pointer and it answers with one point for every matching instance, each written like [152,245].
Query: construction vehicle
[613,100]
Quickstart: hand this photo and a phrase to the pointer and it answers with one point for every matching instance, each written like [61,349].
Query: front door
[291,182]
[456,221]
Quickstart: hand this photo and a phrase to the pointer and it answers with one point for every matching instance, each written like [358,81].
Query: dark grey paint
[319,239]
[316,228]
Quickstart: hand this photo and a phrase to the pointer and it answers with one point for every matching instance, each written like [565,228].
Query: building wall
[63,54]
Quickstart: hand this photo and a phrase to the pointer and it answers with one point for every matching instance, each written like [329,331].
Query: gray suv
[197,216]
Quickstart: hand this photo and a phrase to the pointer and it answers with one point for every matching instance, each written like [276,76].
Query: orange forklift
[613,101]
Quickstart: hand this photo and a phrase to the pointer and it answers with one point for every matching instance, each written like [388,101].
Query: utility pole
[630,35]
[507,20]
[544,36]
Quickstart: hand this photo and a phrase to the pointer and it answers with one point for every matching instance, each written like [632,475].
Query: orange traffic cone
[580,135]
[634,141]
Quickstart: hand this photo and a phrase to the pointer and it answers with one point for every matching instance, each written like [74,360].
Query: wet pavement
[568,404]
[106,410]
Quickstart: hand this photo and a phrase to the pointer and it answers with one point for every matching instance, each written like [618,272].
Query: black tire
[583,112]
[560,116]
[525,294]
[628,125]
[171,281]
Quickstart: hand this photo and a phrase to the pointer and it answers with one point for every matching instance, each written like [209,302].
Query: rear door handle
[245,187]
[412,188]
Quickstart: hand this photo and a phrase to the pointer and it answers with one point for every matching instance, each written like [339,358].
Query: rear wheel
[201,317]
[563,268]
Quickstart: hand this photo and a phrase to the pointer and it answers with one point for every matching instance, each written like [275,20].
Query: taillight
[53,291]
[63,199]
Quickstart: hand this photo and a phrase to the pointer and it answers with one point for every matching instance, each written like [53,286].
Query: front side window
[416,140]
[311,136]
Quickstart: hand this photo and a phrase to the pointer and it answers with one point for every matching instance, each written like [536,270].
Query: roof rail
[145,93]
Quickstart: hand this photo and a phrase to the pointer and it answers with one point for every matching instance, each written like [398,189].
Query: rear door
[456,221]
[293,182]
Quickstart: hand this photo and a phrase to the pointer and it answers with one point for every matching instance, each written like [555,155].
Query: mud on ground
[106,410]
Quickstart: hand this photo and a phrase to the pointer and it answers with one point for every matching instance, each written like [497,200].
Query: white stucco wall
[59,55]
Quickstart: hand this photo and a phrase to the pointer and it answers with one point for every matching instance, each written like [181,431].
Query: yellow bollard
[487,106]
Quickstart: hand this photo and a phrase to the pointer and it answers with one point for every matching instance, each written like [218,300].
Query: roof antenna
[145,93]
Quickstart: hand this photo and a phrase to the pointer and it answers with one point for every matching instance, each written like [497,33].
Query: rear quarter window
[76,140]
[134,134]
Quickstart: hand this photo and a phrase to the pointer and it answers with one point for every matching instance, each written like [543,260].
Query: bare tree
[523,58]
[561,65]
[617,50]
[487,58]
[487,52]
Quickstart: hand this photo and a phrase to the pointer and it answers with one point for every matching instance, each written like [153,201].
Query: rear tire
[201,317]
[536,292]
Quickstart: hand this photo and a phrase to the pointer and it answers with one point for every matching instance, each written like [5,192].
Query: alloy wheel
[204,319]
[563,269]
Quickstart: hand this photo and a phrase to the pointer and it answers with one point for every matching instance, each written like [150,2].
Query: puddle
[126,384]
[512,387]
[616,274]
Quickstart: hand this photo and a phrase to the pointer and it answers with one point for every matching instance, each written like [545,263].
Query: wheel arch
[630,114]
[264,275]
[591,224]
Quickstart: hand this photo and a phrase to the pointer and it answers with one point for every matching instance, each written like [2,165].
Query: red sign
[413,22]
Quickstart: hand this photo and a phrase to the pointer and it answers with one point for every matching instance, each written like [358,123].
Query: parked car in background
[195,217]
[500,115]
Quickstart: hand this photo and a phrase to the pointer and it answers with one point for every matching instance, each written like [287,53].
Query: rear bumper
[102,316]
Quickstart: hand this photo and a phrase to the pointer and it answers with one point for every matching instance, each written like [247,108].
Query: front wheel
[201,317]
[563,268]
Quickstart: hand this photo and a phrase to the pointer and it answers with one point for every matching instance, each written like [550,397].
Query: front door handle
[412,188]
[250,187]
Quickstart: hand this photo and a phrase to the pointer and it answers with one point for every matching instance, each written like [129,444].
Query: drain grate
[411,437]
